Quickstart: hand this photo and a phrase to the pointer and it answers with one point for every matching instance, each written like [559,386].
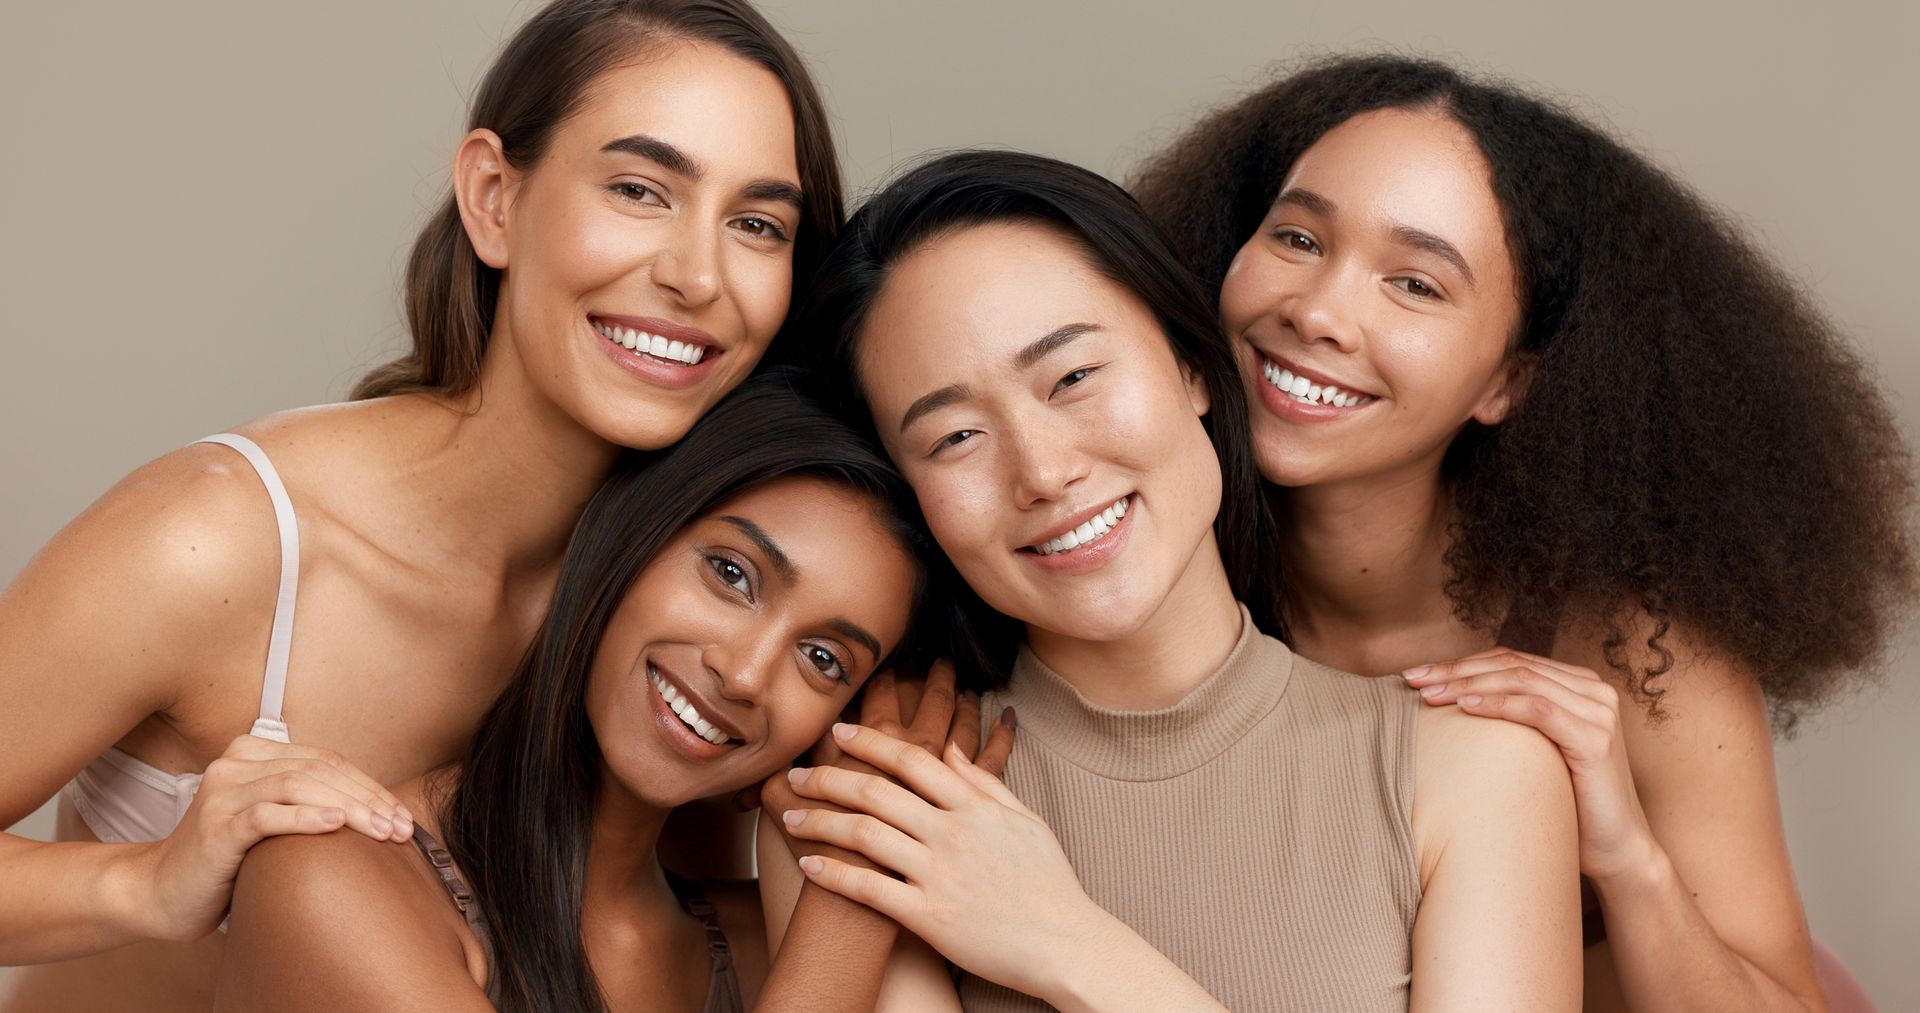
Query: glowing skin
[1339,285]
[767,651]
[1066,399]
[612,231]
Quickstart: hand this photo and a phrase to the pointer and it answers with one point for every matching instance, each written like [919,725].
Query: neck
[623,871]
[509,469]
[1366,571]
[1186,639]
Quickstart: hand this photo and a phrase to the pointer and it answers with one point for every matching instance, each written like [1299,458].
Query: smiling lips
[1087,532]
[684,709]
[1307,390]
[659,346]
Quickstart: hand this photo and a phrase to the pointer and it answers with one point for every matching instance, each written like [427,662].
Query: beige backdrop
[204,206]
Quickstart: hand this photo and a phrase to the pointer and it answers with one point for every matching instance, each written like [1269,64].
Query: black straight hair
[519,819]
[972,188]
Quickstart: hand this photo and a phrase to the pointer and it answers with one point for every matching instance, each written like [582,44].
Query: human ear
[1197,394]
[1509,387]
[480,189]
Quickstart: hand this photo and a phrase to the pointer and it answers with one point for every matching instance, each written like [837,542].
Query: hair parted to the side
[535,85]
[972,188]
[1696,443]
[519,820]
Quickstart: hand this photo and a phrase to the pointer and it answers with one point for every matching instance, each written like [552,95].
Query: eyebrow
[680,163]
[1405,235]
[852,632]
[1419,239]
[1046,345]
[781,564]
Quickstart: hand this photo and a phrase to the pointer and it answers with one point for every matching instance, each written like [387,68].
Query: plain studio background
[205,208]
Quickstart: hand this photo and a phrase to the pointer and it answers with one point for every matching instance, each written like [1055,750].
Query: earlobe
[480,189]
[1509,387]
[1197,394]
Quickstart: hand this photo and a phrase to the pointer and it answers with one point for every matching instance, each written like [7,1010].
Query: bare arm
[122,616]
[1499,920]
[1679,822]
[843,953]
[343,923]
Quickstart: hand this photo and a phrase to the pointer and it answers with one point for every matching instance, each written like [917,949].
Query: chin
[1098,621]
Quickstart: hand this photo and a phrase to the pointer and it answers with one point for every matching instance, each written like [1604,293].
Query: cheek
[961,506]
[762,288]
[802,715]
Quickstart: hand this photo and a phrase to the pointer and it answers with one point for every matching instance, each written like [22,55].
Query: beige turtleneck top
[1258,832]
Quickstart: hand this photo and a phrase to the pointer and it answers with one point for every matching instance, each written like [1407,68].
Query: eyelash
[1074,377]
[625,189]
[720,564]
[774,230]
[952,439]
[839,673]
[1430,293]
[1287,236]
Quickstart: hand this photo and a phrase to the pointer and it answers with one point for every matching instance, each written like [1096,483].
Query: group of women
[1406,498]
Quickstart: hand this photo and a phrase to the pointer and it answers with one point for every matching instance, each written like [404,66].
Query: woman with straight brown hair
[642,182]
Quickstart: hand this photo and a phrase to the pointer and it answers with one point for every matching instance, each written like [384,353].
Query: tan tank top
[1258,832]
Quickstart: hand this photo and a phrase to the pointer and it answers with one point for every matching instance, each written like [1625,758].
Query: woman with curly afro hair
[1526,400]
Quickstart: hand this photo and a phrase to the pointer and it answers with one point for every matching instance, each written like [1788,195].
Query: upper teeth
[1306,390]
[1091,531]
[652,344]
[683,709]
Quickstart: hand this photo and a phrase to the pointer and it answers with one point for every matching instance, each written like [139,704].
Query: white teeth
[1306,390]
[684,710]
[682,352]
[1091,531]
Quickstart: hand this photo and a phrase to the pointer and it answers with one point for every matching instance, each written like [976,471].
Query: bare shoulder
[336,920]
[737,904]
[1478,778]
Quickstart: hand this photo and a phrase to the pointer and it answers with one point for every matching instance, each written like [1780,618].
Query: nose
[1046,461]
[1321,310]
[744,660]
[689,265]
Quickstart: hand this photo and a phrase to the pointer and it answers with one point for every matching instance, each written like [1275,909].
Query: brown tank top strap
[723,989]
[463,899]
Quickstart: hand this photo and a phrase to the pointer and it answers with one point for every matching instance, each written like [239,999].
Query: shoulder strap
[723,987]
[273,685]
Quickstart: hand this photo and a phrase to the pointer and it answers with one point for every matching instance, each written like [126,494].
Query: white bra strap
[273,686]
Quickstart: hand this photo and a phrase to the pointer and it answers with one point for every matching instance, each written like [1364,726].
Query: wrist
[1081,977]
[1648,872]
[125,886]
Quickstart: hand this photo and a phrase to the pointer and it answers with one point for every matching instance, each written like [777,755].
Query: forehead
[1418,167]
[967,300]
[729,113]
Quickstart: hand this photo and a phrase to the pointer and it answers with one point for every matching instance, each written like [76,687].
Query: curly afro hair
[1697,442]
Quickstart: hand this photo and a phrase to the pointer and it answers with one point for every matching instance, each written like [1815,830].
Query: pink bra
[124,799]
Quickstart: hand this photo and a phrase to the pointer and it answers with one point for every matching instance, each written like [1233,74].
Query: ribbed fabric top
[1258,832]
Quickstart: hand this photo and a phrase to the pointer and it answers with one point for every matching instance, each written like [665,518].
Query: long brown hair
[532,88]
[519,820]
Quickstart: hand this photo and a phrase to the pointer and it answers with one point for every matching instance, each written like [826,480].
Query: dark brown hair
[520,818]
[533,87]
[1697,442]
[970,188]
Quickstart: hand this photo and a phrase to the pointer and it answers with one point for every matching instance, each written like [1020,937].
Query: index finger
[920,771]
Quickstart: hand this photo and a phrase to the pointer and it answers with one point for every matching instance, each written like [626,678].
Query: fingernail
[1416,672]
[958,754]
[382,824]
[406,814]
[792,817]
[1007,718]
[799,775]
[333,815]
[843,732]
[811,865]
[1469,701]
[1434,690]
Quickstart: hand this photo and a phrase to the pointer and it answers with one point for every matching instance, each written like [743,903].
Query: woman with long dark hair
[1196,816]
[718,607]
[642,183]
[1523,397]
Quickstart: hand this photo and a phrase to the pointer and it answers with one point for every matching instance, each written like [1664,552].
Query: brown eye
[826,662]
[731,574]
[1295,240]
